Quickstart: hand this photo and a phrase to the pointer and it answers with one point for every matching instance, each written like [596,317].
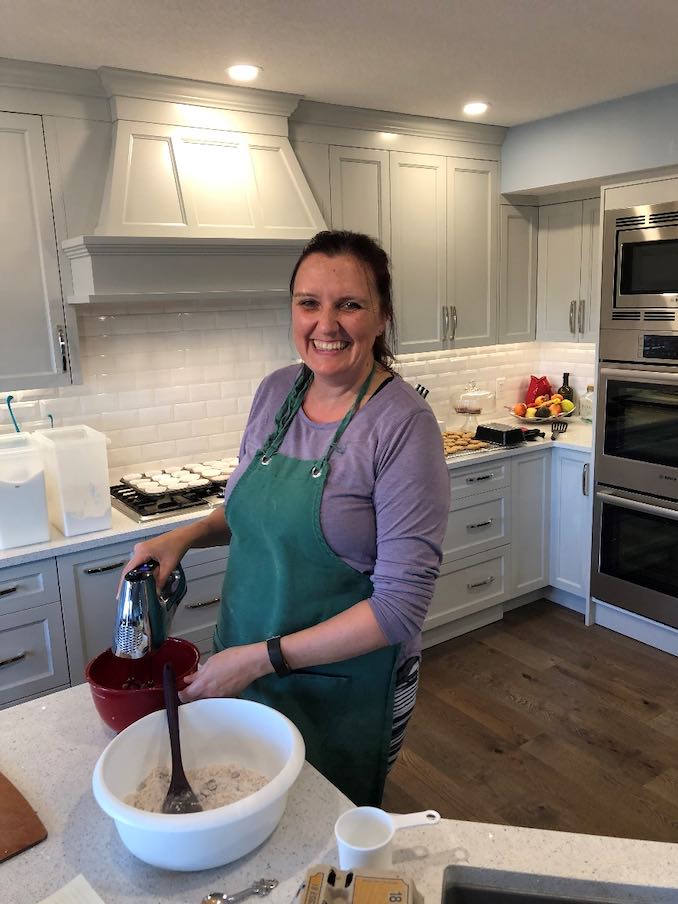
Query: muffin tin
[195,476]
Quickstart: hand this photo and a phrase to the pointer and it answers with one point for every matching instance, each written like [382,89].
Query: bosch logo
[668,477]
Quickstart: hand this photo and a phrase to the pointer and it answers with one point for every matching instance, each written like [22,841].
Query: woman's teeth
[329,346]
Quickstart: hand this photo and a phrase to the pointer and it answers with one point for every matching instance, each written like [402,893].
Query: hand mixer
[144,616]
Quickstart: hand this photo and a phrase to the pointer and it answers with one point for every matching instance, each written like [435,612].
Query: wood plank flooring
[539,721]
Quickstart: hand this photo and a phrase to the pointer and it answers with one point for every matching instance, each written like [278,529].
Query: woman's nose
[327,319]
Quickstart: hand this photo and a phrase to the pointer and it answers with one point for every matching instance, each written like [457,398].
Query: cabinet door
[360,193]
[588,314]
[468,586]
[571,523]
[472,242]
[558,271]
[517,273]
[32,652]
[33,343]
[530,514]
[418,237]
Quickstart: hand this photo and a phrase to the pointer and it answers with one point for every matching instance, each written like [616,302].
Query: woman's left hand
[228,673]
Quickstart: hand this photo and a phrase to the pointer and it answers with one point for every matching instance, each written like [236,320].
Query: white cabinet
[32,648]
[530,518]
[360,196]
[517,273]
[571,521]
[89,582]
[33,342]
[472,250]
[419,251]
[568,281]
[444,224]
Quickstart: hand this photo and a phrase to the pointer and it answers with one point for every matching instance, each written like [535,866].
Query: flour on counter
[214,786]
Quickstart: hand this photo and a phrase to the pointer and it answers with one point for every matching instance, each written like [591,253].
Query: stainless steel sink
[472,885]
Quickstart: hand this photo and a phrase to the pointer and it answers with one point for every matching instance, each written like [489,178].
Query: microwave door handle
[637,506]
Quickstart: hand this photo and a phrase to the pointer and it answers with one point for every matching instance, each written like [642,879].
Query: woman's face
[336,317]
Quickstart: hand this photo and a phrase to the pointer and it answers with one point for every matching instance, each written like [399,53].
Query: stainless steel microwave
[639,285]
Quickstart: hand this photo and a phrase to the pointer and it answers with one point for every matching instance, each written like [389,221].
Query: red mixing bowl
[124,690]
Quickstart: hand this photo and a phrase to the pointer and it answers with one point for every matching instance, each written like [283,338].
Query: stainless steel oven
[637,430]
[635,563]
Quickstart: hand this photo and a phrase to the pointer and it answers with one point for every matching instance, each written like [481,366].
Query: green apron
[282,577]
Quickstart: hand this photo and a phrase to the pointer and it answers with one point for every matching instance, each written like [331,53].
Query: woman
[335,518]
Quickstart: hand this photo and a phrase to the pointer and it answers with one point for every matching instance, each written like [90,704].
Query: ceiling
[529,58]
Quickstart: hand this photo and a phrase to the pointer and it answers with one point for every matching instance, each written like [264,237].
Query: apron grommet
[265,460]
[316,472]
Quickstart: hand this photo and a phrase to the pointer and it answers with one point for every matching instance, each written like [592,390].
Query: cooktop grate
[146,508]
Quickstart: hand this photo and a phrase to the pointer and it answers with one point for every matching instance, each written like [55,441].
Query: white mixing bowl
[215,731]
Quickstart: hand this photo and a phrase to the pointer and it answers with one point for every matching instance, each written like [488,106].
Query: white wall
[168,386]
[628,135]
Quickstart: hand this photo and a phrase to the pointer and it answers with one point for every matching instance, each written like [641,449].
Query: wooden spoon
[180,796]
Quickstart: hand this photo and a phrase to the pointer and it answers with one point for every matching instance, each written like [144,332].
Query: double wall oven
[635,516]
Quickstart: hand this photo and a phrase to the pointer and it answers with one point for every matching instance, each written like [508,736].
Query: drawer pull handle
[480,477]
[217,599]
[7,590]
[479,524]
[480,583]
[17,658]
[102,568]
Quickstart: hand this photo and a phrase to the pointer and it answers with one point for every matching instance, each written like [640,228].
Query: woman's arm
[169,549]
[226,674]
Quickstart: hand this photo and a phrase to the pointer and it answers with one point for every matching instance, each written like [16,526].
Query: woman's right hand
[167,550]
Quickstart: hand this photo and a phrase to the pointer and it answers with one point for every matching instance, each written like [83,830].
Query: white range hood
[204,196]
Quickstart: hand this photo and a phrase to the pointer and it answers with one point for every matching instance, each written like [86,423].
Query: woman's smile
[335,317]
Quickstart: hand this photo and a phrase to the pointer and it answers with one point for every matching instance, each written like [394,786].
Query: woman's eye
[307,302]
[351,305]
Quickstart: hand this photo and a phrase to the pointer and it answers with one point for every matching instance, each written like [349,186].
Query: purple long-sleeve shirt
[385,504]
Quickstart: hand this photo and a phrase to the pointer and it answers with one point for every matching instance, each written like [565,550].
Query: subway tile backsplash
[165,384]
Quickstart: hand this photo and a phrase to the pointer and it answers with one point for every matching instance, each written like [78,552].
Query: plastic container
[76,476]
[23,501]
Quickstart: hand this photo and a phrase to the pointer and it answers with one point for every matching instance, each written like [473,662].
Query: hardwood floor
[539,721]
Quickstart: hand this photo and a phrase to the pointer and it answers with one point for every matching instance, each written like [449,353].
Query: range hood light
[243,72]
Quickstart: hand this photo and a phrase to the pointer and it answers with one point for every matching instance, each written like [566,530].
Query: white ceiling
[529,58]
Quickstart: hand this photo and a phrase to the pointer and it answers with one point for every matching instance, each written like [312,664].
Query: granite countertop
[576,437]
[49,746]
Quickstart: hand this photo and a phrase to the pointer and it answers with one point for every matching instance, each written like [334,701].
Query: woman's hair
[372,256]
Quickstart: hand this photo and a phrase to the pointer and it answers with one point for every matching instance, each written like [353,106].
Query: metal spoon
[180,796]
[259,889]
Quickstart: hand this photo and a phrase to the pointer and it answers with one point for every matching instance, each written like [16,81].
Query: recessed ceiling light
[475,108]
[243,72]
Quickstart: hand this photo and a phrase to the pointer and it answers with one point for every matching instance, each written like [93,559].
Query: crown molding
[170,89]
[315,113]
[47,77]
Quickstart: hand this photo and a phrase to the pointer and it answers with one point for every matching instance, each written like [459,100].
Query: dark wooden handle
[172,707]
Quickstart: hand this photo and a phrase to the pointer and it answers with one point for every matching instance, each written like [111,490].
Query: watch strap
[275,654]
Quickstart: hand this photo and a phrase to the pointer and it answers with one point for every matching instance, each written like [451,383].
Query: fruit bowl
[545,420]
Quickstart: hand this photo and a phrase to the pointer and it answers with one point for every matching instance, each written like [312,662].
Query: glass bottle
[566,390]
[586,404]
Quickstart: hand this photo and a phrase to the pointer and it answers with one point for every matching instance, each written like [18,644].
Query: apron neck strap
[291,406]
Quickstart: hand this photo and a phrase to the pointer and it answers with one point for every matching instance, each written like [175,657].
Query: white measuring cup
[365,835]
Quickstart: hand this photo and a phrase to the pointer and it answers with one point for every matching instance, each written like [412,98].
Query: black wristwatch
[278,661]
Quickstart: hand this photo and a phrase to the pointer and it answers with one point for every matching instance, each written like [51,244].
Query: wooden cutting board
[20,827]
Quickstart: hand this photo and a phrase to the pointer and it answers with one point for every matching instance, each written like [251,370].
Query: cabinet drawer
[26,586]
[197,613]
[477,523]
[474,583]
[478,478]
[32,652]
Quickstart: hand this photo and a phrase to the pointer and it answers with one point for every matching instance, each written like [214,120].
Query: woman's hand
[228,673]
[167,549]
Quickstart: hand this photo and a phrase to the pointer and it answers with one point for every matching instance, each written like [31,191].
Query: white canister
[23,501]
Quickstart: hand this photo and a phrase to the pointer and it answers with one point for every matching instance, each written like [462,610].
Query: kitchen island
[48,749]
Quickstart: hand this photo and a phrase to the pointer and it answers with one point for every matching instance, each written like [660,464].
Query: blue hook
[9,400]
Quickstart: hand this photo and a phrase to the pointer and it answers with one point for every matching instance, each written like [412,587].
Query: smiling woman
[335,518]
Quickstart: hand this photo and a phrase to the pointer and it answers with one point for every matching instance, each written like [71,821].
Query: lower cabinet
[32,648]
[89,583]
[571,522]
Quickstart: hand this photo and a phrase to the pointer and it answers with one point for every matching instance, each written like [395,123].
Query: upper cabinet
[517,273]
[419,250]
[360,192]
[568,281]
[444,214]
[33,345]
